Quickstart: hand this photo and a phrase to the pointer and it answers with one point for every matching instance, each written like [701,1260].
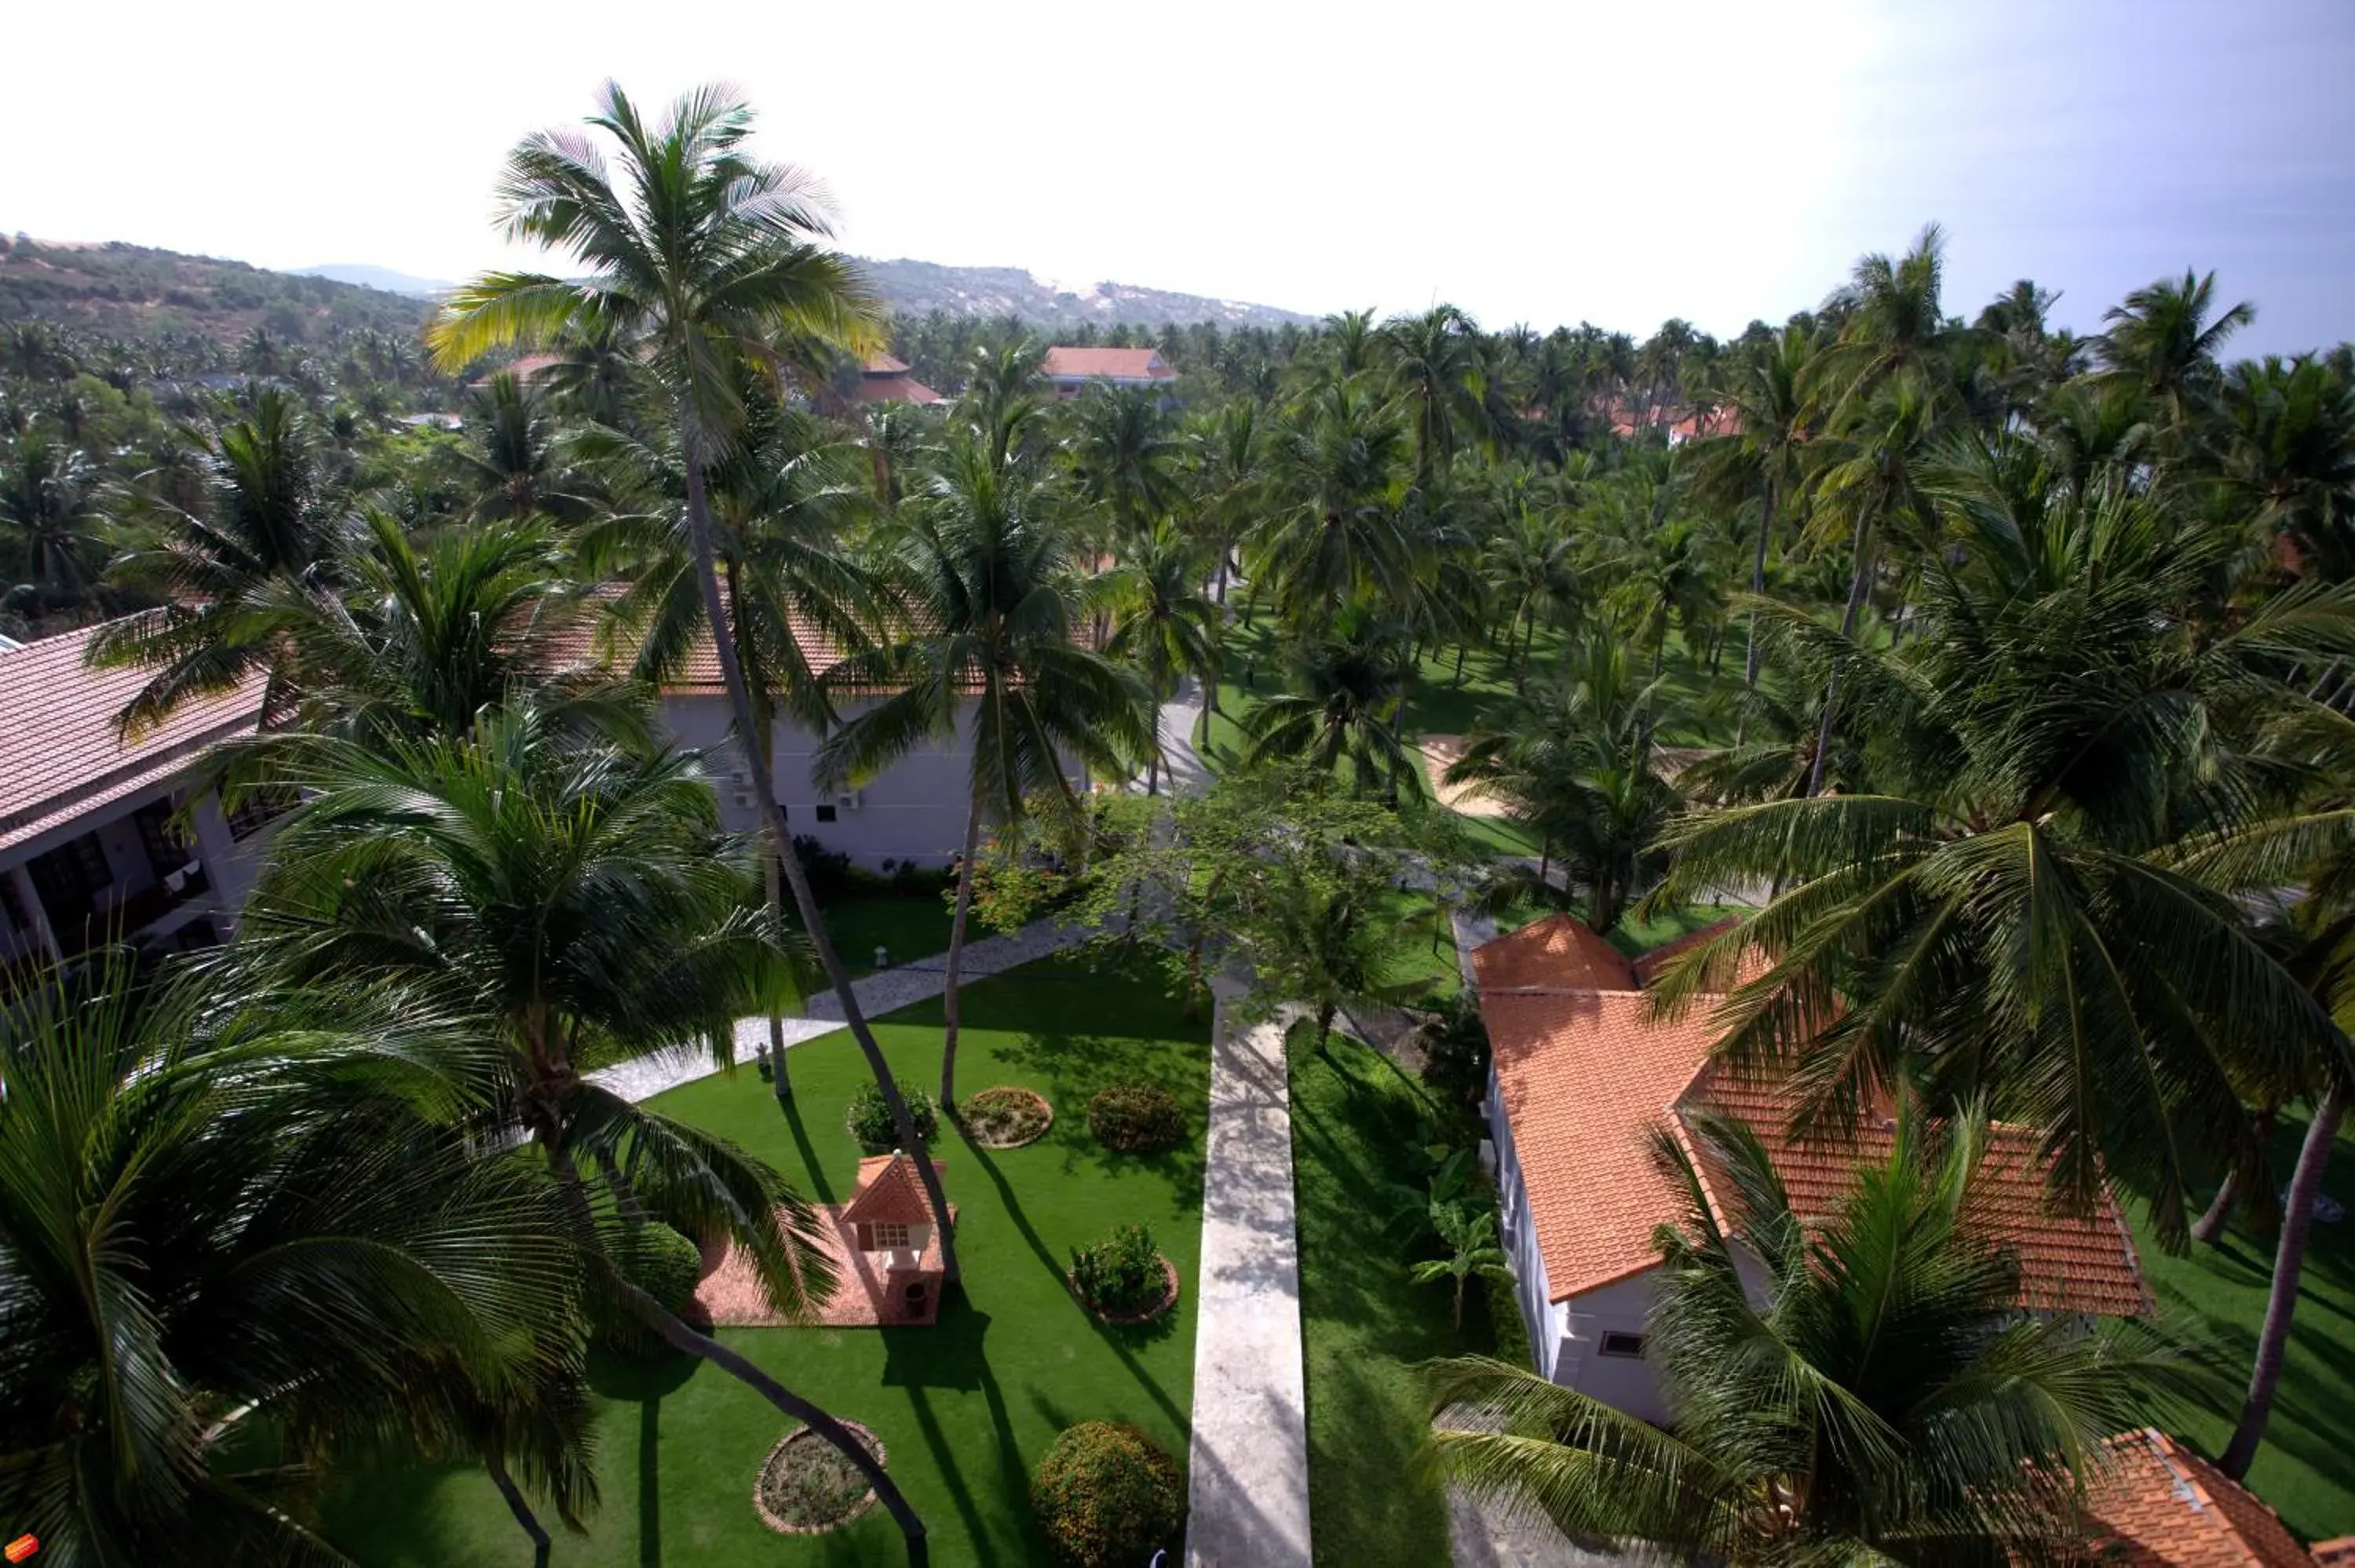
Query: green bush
[659,1261]
[1107,1496]
[869,1118]
[1135,1119]
[1122,1273]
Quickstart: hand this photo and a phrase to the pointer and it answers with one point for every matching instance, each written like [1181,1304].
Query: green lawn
[1366,1325]
[2215,1298]
[911,926]
[964,1408]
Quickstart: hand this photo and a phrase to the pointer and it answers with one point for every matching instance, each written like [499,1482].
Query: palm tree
[2163,340]
[1531,564]
[1766,398]
[231,1239]
[990,603]
[1332,530]
[1346,681]
[701,258]
[1888,1402]
[579,898]
[784,504]
[1123,458]
[1469,1237]
[517,473]
[1436,371]
[44,499]
[1895,327]
[267,537]
[1992,905]
[2290,451]
[1164,625]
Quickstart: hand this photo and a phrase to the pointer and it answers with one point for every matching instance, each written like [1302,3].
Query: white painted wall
[915,811]
[1539,1316]
[1625,1383]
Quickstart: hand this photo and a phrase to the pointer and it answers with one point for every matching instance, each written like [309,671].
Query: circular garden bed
[1007,1116]
[808,1486]
[1142,1315]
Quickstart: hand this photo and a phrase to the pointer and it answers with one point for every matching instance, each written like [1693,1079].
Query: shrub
[1107,1495]
[869,1118]
[1135,1119]
[828,871]
[1121,1274]
[659,1261]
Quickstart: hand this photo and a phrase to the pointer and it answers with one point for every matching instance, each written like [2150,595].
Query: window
[825,814]
[259,810]
[1627,1345]
[70,878]
[891,1238]
[161,837]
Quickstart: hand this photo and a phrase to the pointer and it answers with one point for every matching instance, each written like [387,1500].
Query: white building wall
[915,809]
[1625,1383]
[1539,1313]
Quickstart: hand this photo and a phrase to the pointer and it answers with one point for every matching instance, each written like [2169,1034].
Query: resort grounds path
[885,991]
[1248,1469]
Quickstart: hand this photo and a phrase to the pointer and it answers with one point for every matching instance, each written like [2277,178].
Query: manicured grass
[964,1408]
[911,926]
[1367,1326]
[1637,935]
[2214,1298]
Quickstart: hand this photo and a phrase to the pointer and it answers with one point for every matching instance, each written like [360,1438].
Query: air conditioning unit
[851,799]
[744,800]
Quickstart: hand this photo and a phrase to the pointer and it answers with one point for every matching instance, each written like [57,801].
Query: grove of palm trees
[1997,682]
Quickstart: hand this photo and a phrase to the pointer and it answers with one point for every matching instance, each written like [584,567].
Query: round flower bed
[1007,1116]
[867,1118]
[1124,1278]
[808,1486]
[1136,1118]
[1107,1496]
[1169,1300]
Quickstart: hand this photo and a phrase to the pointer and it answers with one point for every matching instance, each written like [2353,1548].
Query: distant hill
[138,292]
[135,292]
[914,288]
[384,278]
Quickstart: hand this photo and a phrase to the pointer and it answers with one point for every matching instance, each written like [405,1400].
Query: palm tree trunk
[2209,1227]
[1832,687]
[540,1543]
[1460,648]
[1325,1027]
[771,887]
[952,1002]
[740,701]
[1758,583]
[2289,1262]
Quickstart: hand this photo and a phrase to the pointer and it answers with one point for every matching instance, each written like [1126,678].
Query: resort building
[2155,1504]
[1072,371]
[100,838]
[883,379]
[1585,1076]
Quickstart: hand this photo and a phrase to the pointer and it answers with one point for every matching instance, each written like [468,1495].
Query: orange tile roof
[2158,1505]
[59,755]
[1586,1071]
[890,1193]
[884,364]
[1648,966]
[1557,952]
[875,389]
[2068,1263]
[1119,363]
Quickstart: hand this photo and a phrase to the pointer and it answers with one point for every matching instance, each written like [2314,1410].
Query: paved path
[1248,1465]
[1182,770]
[885,991]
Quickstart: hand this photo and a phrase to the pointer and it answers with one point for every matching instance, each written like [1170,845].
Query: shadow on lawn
[1077,1068]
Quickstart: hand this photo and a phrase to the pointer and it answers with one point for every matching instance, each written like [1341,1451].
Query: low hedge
[659,1261]
[1136,1118]
[1107,1496]
[1122,1274]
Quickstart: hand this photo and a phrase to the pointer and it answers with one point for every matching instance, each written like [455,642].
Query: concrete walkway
[885,991]
[1248,1470]
[1182,770]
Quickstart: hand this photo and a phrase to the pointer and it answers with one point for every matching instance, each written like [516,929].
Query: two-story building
[100,840]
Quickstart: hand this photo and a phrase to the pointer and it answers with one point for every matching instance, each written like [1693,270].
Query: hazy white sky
[1542,162]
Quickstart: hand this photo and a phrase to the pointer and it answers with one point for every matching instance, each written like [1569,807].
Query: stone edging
[1130,1320]
[1045,1128]
[858,1511]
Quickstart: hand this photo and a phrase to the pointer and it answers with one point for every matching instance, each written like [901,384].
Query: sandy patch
[1440,752]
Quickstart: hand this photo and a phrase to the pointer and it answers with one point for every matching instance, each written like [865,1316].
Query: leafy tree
[1468,1236]
[1887,1402]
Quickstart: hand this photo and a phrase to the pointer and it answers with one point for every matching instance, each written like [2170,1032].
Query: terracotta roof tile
[890,1193]
[1558,952]
[884,364]
[1119,363]
[875,389]
[2158,1505]
[1586,1072]
[59,755]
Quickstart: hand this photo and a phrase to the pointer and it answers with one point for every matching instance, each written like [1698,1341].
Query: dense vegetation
[2007,673]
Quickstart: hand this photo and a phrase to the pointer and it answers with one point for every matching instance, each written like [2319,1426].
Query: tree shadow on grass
[1077,1068]
[820,1187]
[1115,1341]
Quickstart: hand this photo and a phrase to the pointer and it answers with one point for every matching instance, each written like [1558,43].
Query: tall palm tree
[44,499]
[1123,458]
[1437,372]
[700,256]
[1332,530]
[516,471]
[1766,392]
[2163,340]
[240,1231]
[785,503]
[1347,680]
[1163,624]
[1895,324]
[990,605]
[1531,564]
[1993,904]
[1887,1402]
[580,898]
[268,534]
